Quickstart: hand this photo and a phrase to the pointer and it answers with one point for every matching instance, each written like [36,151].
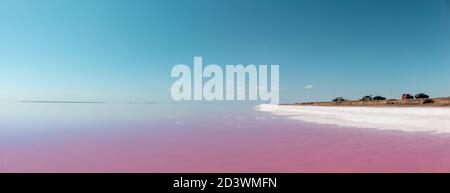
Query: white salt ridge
[411,119]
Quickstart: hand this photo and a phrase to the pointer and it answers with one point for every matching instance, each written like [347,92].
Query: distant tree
[339,99]
[379,98]
[367,98]
[428,101]
[422,96]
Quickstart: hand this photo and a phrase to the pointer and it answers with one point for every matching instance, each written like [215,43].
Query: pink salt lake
[201,138]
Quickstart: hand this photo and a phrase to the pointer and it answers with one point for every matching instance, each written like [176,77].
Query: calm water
[38,137]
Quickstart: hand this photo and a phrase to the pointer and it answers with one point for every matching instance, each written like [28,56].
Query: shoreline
[411,119]
[432,102]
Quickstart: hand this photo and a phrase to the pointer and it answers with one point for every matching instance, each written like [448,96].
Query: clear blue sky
[113,50]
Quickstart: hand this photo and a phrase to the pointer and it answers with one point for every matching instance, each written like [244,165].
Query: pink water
[201,138]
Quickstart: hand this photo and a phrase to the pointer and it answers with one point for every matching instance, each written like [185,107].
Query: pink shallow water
[205,140]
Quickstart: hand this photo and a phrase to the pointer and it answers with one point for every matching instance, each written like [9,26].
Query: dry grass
[391,102]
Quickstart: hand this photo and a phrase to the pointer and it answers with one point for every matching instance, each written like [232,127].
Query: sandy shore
[411,119]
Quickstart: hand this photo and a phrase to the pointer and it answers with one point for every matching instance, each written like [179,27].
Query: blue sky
[111,50]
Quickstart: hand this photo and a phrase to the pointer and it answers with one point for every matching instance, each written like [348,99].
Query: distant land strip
[76,102]
[432,102]
[142,102]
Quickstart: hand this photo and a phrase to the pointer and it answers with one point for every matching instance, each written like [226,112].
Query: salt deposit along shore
[411,119]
